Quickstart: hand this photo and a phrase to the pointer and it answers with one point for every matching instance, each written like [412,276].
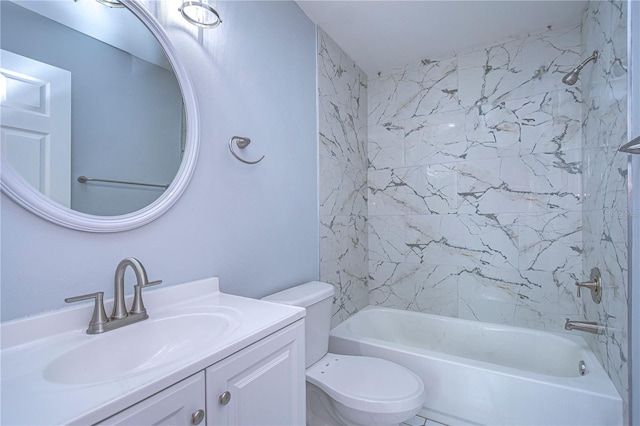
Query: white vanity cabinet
[262,384]
[180,404]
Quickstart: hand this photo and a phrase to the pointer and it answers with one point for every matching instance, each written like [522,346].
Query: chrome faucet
[119,308]
[119,317]
[588,326]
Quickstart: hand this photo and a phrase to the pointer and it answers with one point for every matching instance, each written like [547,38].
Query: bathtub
[480,373]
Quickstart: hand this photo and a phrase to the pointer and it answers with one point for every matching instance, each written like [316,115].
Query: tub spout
[588,326]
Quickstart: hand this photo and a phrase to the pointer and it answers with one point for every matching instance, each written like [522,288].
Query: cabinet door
[176,405]
[263,384]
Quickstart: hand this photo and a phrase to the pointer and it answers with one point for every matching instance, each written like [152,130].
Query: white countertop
[30,344]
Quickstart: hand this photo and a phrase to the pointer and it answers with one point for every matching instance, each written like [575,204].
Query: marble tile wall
[342,124]
[491,187]
[474,180]
[604,214]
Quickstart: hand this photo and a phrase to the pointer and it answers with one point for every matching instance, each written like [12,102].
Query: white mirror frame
[20,191]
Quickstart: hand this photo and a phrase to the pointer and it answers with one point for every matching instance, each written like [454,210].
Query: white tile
[386,238]
[342,165]
[431,289]
[385,146]
[435,139]
[463,240]
[415,421]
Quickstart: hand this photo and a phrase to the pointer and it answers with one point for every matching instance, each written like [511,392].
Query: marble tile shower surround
[492,186]
[604,212]
[342,124]
[474,207]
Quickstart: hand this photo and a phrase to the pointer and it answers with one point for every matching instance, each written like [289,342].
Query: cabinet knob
[197,417]
[225,397]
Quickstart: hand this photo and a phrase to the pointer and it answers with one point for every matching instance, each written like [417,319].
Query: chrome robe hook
[242,143]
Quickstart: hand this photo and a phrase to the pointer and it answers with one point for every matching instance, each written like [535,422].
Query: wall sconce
[200,14]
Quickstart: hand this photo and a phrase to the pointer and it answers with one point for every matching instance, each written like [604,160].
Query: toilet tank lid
[303,295]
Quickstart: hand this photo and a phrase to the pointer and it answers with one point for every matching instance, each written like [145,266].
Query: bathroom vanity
[203,357]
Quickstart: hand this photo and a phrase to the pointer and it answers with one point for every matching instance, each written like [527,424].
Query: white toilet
[343,389]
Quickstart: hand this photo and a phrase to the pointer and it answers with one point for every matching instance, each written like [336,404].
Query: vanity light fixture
[111,3]
[200,14]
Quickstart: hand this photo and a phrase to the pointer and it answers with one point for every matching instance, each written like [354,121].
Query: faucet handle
[151,283]
[137,307]
[99,317]
[595,285]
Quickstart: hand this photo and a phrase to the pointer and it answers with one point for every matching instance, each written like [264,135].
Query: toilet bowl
[345,389]
[362,391]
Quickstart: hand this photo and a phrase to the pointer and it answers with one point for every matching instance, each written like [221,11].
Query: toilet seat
[368,384]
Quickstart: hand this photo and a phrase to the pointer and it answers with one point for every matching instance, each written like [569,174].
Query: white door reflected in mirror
[36,123]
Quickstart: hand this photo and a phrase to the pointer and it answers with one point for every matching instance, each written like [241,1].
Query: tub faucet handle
[595,285]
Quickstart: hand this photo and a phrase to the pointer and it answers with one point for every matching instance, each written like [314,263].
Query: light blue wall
[254,227]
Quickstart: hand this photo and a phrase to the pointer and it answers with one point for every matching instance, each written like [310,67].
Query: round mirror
[99,120]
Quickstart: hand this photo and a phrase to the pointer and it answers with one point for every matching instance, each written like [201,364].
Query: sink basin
[157,341]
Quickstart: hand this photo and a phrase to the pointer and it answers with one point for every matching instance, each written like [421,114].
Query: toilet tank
[316,297]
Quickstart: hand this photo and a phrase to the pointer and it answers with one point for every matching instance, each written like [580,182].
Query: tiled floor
[421,421]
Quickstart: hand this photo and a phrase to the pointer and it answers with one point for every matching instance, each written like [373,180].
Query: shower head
[572,77]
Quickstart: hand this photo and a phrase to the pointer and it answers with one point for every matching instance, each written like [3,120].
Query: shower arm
[593,57]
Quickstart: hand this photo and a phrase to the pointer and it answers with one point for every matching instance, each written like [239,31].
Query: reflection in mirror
[79,99]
